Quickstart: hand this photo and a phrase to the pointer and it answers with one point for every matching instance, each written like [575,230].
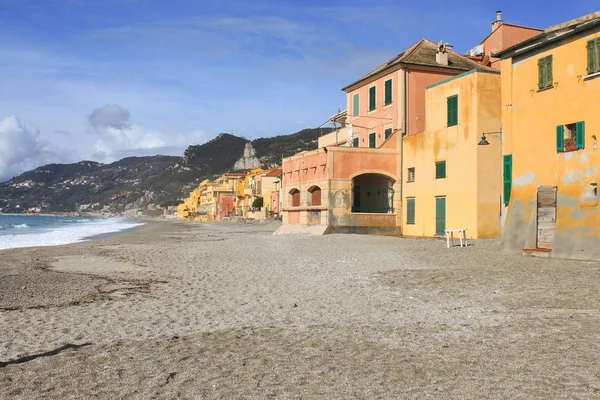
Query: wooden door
[546,216]
[440,216]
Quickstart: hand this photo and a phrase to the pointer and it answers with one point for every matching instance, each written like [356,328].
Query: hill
[139,181]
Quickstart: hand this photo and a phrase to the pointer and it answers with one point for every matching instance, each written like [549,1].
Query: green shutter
[593,56]
[372,140]
[560,138]
[410,211]
[545,78]
[355,142]
[372,102]
[549,79]
[388,92]
[440,170]
[355,105]
[452,110]
[580,134]
[507,178]
[541,73]
[597,55]
[388,132]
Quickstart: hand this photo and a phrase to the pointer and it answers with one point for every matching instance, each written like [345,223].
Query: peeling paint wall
[530,117]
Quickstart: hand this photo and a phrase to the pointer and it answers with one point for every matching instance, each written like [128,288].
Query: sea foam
[67,233]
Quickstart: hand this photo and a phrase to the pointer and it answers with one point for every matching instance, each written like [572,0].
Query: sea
[29,231]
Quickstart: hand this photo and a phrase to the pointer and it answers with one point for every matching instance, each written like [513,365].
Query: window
[411,174]
[372,98]
[452,110]
[295,193]
[314,196]
[440,170]
[388,92]
[372,140]
[593,56]
[570,137]
[355,142]
[410,211]
[545,72]
[507,178]
[388,133]
[355,105]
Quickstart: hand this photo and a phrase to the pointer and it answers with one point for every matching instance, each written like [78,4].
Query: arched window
[314,196]
[295,194]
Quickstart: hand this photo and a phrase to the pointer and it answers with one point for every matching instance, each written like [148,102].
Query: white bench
[462,235]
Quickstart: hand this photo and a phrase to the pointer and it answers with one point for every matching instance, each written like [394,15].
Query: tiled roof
[423,53]
[552,34]
[274,172]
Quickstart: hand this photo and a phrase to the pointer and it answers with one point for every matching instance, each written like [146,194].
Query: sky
[105,79]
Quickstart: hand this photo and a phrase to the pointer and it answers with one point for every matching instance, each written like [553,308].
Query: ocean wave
[71,233]
[20,226]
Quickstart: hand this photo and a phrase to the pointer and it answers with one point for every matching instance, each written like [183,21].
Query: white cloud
[21,149]
[132,140]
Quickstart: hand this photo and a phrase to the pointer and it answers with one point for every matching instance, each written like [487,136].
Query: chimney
[441,56]
[498,21]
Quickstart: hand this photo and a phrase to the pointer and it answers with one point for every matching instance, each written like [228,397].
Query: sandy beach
[216,311]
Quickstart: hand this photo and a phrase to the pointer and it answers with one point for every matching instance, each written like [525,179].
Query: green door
[440,216]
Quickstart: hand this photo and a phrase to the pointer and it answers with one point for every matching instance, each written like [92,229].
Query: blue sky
[104,79]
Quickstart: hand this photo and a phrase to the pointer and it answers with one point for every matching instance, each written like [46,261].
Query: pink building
[225,206]
[356,186]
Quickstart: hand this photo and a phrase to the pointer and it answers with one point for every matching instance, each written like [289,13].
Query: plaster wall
[472,183]
[530,117]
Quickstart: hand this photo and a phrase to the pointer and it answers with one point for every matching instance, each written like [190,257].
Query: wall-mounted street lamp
[483,141]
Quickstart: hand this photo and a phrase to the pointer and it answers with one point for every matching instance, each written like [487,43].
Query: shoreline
[51,234]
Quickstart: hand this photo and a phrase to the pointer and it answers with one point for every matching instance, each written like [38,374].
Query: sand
[190,310]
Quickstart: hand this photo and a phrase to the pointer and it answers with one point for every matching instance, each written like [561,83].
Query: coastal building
[246,192]
[405,158]
[503,36]
[357,187]
[268,187]
[450,180]
[550,121]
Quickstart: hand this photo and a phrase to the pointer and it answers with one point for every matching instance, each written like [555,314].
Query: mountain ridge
[134,182]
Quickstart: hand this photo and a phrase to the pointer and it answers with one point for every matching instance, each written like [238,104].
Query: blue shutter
[560,138]
[580,134]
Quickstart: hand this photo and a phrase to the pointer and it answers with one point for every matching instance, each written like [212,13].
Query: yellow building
[246,192]
[551,119]
[451,181]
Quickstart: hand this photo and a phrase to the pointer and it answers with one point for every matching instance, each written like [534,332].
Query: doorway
[440,216]
[546,216]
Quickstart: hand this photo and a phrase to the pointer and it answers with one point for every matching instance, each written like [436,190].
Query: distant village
[498,142]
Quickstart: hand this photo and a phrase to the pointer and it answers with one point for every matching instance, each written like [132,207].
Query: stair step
[543,253]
